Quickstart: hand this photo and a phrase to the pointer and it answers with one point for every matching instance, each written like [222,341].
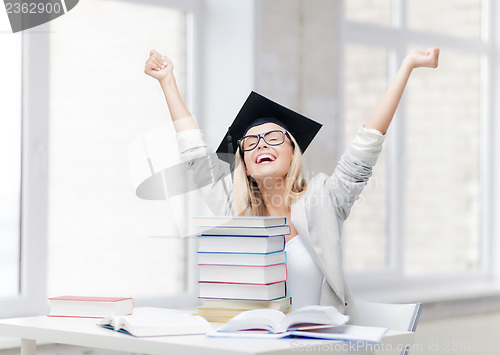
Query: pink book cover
[89,299]
[246,283]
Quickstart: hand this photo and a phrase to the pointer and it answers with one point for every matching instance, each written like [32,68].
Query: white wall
[227,64]
[296,65]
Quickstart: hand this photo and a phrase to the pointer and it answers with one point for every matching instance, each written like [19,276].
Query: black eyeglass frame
[262,135]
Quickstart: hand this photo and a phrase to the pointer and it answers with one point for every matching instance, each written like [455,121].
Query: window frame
[32,296]
[391,283]
[33,238]
[194,32]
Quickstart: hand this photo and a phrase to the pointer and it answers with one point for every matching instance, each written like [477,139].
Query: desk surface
[85,332]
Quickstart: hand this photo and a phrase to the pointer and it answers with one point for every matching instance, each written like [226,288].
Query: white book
[246,221]
[274,321]
[277,257]
[226,244]
[147,321]
[246,231]
[342,333]
[322,322]
[346,332]
[249,304]
[242,291]
[247,274]
[89,307]
[230,312]
[223,315]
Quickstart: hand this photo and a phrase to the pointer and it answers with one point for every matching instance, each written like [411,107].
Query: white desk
[85,332]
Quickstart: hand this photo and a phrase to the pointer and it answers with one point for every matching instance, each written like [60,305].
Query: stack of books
[242,265]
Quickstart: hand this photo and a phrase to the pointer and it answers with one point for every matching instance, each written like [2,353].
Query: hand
[427,58]
[158,66]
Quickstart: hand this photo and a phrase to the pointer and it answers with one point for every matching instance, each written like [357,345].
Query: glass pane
[442,172]
[100,102]
[377,12]
[456,18]
[10,158]
[364,230]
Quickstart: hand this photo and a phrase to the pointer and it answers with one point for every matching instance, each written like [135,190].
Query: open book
[323,322]
[147,321]
[275,321]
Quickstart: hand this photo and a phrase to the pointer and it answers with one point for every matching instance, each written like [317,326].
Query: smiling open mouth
[265,158]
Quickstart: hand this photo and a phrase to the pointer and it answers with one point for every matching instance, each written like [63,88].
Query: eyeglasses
[250,142]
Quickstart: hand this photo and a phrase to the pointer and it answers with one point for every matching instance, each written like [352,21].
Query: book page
[308,315]
[248,334]
[268,319]
[159,321]
[150,316]
[347,332]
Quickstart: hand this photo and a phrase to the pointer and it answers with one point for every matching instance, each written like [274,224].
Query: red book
[89,307]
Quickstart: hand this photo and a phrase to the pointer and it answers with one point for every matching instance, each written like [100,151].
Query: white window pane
[100,102]
[377,12]
[364,231]
[10,158]
[460,18]
[442,172]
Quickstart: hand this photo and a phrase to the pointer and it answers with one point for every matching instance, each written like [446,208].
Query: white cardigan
[312,215]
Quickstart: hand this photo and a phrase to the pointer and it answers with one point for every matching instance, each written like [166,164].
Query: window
[365,230]
[377,12]
[424,207]
[100,102]
[24,120]
[442,124]
[10,160]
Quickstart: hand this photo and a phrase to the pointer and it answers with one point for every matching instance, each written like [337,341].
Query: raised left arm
[382,116]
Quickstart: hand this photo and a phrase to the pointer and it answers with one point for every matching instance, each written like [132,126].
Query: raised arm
[382,116]
[209,174]
[161,68]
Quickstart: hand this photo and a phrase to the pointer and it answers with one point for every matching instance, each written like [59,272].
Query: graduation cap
[258,110]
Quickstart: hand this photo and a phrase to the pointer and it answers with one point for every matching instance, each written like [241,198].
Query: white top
[304,278]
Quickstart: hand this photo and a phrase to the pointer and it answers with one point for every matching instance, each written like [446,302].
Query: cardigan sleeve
[211,176]
[354,169]
[191,144]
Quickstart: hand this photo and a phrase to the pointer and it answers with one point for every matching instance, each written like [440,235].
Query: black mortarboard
[258,110]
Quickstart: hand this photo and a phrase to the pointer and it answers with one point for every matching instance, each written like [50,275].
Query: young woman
[268,178]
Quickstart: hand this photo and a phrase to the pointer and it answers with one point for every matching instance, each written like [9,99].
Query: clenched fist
[158,66]
[427,58]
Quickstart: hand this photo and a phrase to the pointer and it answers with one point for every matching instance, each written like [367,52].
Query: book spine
[241,283]
[66,316]
[223,266]
[240,222]
[245,231]
[232,286]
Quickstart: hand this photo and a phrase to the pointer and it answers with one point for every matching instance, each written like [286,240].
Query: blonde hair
[247,198]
